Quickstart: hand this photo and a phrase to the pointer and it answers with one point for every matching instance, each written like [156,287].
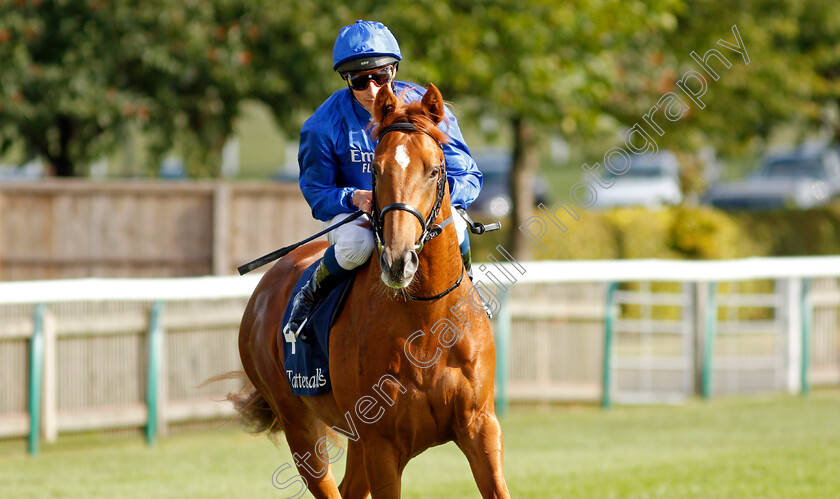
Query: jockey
[336,151]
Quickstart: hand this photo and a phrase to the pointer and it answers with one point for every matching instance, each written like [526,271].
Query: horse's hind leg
[481,442]
[355,482]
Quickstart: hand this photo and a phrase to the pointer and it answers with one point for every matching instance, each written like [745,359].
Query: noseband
[430,229]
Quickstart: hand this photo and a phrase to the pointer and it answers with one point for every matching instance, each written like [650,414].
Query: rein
[430,229]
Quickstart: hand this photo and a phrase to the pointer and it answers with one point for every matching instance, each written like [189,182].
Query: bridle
[430,229]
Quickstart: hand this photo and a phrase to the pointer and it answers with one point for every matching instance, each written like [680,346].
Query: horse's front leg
[355,482]
[303,433]
[383,467]
[481,441]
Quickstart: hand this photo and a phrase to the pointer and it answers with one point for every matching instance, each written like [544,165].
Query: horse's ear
[384,104]
[433,104]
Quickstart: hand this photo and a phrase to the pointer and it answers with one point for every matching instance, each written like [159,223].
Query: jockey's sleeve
[464,177]
[318,168]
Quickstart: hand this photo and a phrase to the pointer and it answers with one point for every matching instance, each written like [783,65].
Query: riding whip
[274,255]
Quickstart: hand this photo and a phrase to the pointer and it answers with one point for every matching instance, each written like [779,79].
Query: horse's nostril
[411,261]
[385,261]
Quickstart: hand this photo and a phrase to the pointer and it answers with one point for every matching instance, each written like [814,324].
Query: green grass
[771,446]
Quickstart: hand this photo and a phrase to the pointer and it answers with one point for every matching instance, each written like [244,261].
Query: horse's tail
[252,407]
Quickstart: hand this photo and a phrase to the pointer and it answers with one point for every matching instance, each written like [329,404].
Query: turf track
[769,446]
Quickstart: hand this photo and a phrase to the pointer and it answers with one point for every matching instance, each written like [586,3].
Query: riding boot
[319,284]
[466,254]
[466,257]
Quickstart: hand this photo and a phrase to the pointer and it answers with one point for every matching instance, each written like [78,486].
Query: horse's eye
[435,172]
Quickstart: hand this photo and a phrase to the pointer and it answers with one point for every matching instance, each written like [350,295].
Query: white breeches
[354,240]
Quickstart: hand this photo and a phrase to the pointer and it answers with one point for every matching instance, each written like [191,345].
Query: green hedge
[696,232]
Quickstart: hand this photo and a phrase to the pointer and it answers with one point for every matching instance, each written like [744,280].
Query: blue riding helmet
[364,45]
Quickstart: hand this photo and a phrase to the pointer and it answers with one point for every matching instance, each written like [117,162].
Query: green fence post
[711,331]
[503,325]
[36,372]
[609,324]
[155,341]
[807,311]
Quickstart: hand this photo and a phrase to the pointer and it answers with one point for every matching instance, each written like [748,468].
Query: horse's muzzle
[398,270]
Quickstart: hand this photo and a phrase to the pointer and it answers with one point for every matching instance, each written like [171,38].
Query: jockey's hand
[362,199]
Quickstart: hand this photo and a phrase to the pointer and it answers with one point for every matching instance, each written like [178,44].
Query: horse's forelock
[411,113]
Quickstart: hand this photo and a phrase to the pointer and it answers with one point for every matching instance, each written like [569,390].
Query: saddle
[306,358]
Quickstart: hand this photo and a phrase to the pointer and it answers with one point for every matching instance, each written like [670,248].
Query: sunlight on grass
[771,446]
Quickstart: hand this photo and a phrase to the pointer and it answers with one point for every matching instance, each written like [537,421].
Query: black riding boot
[467,258]
[319,283]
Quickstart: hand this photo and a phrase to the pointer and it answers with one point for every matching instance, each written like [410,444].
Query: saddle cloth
[307,362]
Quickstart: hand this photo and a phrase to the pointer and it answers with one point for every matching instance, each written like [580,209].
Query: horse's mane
[411,112]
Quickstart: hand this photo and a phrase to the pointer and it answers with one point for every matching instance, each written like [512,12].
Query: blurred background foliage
[687,232]
[82,80]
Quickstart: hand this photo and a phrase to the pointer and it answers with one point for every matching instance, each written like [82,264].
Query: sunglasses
[360,81]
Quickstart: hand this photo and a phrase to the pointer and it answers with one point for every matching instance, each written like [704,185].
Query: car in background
[799,178]
[284,174]
[173,168]
[495,199]
[32,170]
[652,180]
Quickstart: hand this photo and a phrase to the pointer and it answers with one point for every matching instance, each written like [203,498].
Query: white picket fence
[131,352]
[678,328]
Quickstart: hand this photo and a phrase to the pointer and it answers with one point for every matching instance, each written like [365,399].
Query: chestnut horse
[392,407]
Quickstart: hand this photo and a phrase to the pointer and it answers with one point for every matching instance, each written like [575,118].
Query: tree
[534,64]
[773,84]
[749,99]
[817,44]
[77,72]
[56,94]
[292,43]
